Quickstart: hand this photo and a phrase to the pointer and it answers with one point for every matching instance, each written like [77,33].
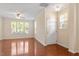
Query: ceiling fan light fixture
[19,15]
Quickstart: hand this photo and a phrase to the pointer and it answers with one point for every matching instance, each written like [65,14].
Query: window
[63,21]
[19,27]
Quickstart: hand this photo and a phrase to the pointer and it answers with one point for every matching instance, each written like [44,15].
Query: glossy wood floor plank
[40,50]
[31,47]
[18,47]
[57,50]
[0,47]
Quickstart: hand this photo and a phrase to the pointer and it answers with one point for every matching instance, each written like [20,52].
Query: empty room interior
[39,29]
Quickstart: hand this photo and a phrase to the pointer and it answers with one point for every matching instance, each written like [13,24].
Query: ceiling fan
[19,15]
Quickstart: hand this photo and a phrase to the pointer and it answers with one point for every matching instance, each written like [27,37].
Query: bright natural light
[13,48]
[63,21]
[19,27]
[19,47]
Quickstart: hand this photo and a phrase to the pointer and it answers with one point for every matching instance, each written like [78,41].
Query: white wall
[73,28]
[77,28]
[7,29]
[70,40]
[64,32]
[0,36]
[40,33]
[0,28]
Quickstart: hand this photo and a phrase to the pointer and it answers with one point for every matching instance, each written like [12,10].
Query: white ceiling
[30,10]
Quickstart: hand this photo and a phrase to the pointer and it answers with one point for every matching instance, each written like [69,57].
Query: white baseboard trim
[41,42]
[1,38]
[78,51]
[51,43]
[72,51]
[17,37]
[62,45]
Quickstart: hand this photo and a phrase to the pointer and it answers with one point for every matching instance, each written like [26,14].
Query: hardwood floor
[18,47]
[40,50]
[57,50]
[31,47]
[0,47]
